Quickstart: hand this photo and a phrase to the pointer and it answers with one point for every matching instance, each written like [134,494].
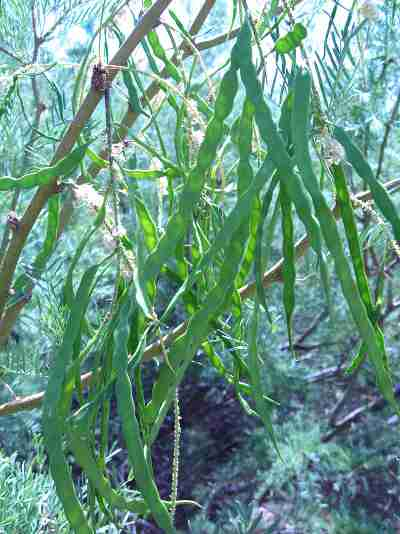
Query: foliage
[333,487]
[28,499]
[180,194]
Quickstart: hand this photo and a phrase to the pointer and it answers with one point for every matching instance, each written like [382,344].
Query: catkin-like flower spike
[175,460]
[367,208]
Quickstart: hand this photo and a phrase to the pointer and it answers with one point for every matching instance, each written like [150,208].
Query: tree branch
[86,110]
[8,321]
[39,109]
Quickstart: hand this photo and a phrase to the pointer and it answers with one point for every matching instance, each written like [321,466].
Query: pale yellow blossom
[368,10]
[197,139]
[332,150]
[87,194]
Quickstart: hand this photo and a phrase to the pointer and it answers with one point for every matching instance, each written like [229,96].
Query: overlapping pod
[54,408]
[331,234]
[288,246]
[45,175]
[381,197]
[347,214]
[184,348]
[233,221]
[289,259]
[242,57]
[245,177]
[179,221]
[79,441]
[130,425]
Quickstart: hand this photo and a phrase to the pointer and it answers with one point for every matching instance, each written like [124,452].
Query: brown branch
[351,417]
[86,110]
[39,109]
[154,88]
[156,348]
[329,372]
[130,117]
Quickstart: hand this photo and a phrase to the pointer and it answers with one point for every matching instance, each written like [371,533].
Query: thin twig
[388,128]
[350,418]
[341,402]
[11,55]
[310,330]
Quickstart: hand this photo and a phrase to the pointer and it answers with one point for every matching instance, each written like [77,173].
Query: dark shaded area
[214,427]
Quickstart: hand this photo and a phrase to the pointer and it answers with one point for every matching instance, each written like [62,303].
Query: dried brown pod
[99,77]
[13,221]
